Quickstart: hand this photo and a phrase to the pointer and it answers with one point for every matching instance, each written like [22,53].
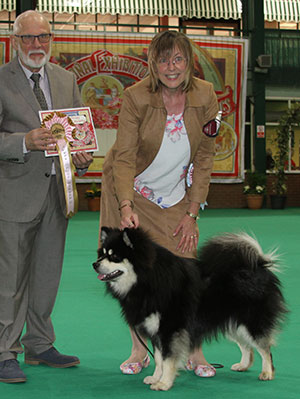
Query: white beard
[26,60]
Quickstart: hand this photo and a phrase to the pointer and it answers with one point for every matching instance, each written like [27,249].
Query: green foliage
[255,183]
[284,134]
[93,192]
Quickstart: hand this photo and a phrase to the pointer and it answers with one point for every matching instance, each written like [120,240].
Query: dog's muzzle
[106,276]
[96,265]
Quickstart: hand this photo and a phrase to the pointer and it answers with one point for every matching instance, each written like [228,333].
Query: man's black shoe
[10,372]
[52,358]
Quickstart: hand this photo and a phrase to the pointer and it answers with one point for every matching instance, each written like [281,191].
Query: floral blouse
[163,182]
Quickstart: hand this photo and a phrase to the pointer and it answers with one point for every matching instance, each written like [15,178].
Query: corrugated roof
[282,10]
[275,10]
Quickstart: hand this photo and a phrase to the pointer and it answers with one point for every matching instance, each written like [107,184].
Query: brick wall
[226,196]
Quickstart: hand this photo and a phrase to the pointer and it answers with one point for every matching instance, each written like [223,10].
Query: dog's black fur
[179,302]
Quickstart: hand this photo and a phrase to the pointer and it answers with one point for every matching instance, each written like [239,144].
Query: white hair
[29,14]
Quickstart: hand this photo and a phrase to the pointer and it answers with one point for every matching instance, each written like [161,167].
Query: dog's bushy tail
[241,247]
[236,262]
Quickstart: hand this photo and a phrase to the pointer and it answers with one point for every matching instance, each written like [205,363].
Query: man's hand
[82,160]
[40,139]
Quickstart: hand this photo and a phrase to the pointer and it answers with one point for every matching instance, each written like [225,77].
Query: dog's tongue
[101,276]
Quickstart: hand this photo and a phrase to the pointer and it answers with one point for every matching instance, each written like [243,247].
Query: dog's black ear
[104,233]
[126,239]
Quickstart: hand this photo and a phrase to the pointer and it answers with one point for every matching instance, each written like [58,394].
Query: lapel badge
[211,129]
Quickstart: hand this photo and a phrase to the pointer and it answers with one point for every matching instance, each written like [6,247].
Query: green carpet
[88,324]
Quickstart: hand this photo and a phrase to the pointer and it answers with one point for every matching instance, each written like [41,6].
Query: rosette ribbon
[67,171]
[62,127]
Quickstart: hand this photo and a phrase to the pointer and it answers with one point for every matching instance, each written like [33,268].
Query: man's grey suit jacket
[24,180]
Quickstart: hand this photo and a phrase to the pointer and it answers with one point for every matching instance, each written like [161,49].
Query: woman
[160,149]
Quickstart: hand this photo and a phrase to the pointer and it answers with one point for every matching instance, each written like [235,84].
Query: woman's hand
[129,219]
[188,232]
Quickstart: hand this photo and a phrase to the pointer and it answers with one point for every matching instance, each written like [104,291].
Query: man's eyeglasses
[177,61]
[29,39]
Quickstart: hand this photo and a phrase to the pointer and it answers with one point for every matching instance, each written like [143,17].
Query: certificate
[74,125]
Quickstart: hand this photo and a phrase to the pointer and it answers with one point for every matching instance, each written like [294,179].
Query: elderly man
[32,205]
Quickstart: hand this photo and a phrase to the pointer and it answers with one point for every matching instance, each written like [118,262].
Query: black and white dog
[178,302]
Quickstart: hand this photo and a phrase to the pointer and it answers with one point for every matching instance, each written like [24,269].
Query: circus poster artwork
[224,63]
[5,47]
[103,76]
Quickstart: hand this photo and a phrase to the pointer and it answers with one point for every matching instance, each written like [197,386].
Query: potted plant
[283,138]
[255,187]
[93,196]
[279,188]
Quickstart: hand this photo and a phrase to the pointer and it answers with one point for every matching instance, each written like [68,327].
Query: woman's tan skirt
[159,223]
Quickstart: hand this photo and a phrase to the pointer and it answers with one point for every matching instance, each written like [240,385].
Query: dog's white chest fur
[123,284]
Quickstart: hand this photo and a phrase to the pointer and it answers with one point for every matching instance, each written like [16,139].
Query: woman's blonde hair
[162,45]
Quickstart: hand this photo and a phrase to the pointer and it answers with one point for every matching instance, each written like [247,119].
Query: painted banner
[5,47]
[105,64]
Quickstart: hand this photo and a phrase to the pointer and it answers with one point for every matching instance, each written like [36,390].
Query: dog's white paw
[160,386]
[239,367]
[266,376]
[150,380]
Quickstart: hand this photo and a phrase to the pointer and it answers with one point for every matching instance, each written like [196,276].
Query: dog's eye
[115,258]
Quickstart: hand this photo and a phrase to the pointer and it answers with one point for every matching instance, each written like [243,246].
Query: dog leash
[215,365]
[143,343]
